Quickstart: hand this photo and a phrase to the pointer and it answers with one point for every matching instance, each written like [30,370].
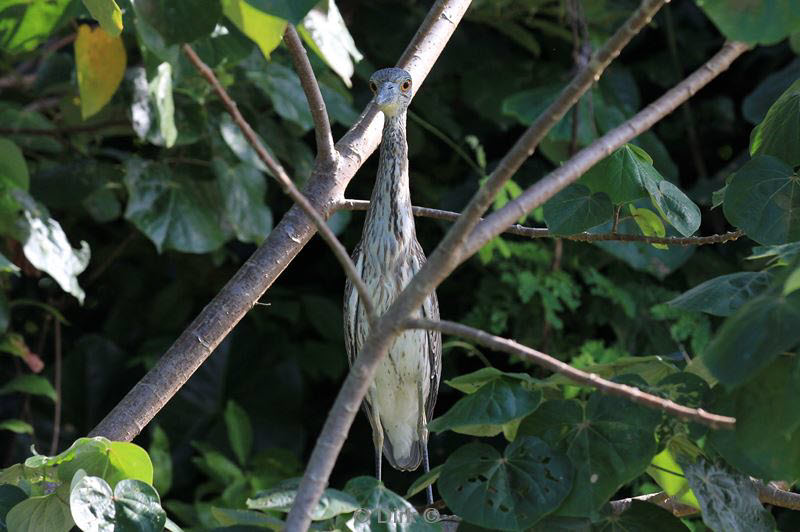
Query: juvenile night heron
[400,400]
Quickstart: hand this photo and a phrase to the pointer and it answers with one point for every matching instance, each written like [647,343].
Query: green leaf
[161,93]
[107,13]
[10,496]
[763,199]
[424,480]
[779,133]
[240,432]
[47,512]
[729,500]
[32,384]
[16,425]
[6,266]
[723,295]
[779,254]
[242,188]
[325,32]
[381,510]
[282,87]
[218,467]
[758,102]
[792,282]
[228,517]
[508,492]
[13,168]
[238,144]
[291,10]
[133,506]
[484,412]
[576,209]
[174,212]
[756,22]
[180,21]
[611,441]
[753,336]
[649,223]
[162,460]
[669,475]
[766,440]
[280,498]
[264,29]
[33,23]
[641,517]
[675,206]
[47,248]
[623,175]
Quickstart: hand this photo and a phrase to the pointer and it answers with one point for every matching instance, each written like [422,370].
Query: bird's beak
[388,98]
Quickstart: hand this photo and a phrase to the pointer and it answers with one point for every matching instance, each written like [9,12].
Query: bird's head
[392,90]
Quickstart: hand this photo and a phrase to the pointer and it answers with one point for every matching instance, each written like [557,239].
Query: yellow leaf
[100,63]
[650,224]
[265,30]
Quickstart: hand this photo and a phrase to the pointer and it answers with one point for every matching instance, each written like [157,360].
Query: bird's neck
[390,221]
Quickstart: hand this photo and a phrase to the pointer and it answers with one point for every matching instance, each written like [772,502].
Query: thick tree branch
[288,185]
[443,260]
[257,274]
[548,186]
[538,232]
[698,415]
[322,126]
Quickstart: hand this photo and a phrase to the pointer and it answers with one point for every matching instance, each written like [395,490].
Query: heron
[400,400]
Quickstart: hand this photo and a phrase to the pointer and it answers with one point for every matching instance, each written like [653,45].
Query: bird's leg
[377,440]
[423,434]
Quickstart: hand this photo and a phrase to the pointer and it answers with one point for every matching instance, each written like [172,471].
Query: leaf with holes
[576,209]
[763,199]
[755,447]
[729,500]
[610,441]
[508,492]
[723,295]
[483,413]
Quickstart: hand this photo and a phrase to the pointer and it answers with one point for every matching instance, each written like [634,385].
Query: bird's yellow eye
[406,85]
[372,86]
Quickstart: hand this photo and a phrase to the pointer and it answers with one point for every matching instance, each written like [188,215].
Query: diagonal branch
[593,380]
[257,274]
[443,261]
[288,186]
[573,169]
[539,232]
[322,126]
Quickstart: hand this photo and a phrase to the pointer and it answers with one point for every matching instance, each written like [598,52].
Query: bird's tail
[408,462]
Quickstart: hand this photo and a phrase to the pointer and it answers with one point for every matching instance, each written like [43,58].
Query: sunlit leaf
[265,29]
[107,13]
[133,505]
[326,33]
[333,502]
[33,23]
[161,93]
[100,64]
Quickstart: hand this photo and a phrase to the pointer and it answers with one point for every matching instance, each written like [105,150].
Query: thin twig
[631,393]
[319,114]
[288,186]
[767,493]
[57,379]
[539,232]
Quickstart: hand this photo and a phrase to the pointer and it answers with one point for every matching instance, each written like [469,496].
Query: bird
[400,401]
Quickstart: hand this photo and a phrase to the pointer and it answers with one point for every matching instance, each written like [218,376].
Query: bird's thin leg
[377,439]
[427,467]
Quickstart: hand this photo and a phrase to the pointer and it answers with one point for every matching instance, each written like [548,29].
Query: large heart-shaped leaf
[576,209]
[505,492]
[758,21]
[779,133]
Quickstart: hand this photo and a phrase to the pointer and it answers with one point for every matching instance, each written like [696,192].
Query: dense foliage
[128,197]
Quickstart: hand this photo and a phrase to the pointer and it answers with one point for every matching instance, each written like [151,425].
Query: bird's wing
[430,310]
[353,338]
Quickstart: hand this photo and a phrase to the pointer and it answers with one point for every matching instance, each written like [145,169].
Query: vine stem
[606,386]
[539,232]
